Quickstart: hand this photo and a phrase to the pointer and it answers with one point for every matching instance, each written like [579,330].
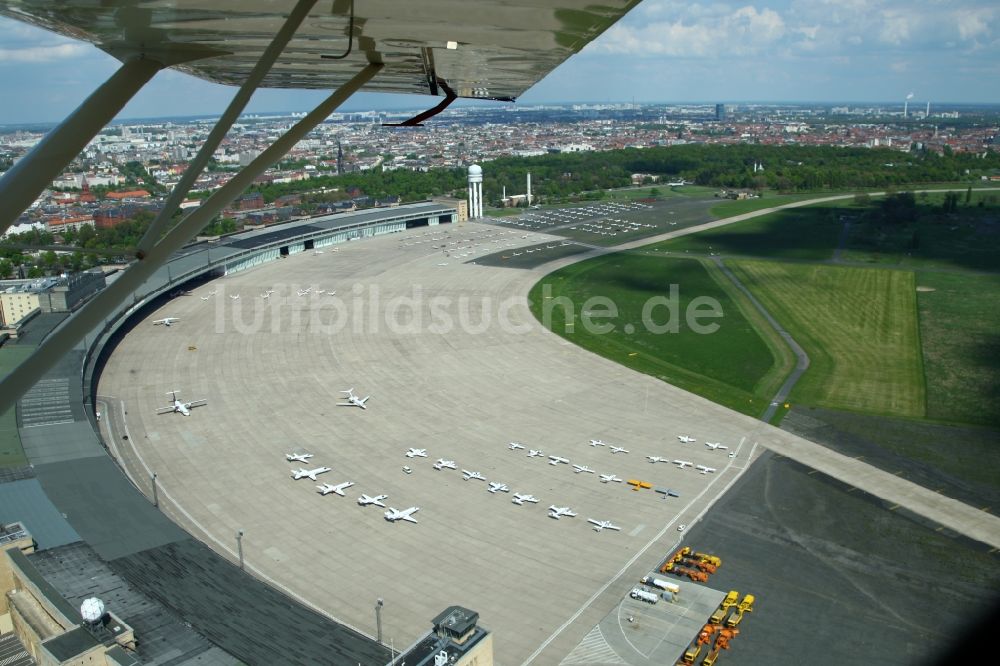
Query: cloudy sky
[663,51]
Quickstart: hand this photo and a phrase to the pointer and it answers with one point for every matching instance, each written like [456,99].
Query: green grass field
[960,335]
[859,327]
[733,366]
[968,238]
[11,453]
[809,233]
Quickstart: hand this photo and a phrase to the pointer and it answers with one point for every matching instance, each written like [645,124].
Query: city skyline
[663,51]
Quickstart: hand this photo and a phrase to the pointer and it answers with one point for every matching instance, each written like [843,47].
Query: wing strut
[415,121]
[94,312]
[225,122]
[35,171]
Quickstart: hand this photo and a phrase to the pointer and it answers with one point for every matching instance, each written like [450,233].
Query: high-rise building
[720,112]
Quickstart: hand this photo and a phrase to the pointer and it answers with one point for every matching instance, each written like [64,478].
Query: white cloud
[712,31]
[49,53]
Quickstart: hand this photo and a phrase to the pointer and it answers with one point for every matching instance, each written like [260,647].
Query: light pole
[378,618]
[239,546]
[156,501]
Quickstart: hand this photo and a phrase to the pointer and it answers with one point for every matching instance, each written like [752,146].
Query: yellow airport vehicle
[746,606]
[724,607]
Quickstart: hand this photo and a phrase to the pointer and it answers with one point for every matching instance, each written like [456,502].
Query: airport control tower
[475,192]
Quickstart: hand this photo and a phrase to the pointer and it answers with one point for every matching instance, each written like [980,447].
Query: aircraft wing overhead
[500,49]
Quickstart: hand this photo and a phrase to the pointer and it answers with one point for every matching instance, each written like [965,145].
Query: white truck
[644,595]
[673,588]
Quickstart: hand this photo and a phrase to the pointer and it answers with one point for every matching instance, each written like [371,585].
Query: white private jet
[327,488]
[704,470]
[555,460]
[685,439]
[597,442]
[619,449]
[532,453]
[442,464]
[558,512]
[298,457]
[353,400]
[166,321]
[514,446]
[715,445]
[498,487]
[365,500]
[606,478]
[392,515]
[582,468]
[473,475]
[416,453]
[682,463]
[521,499]
[656,459]
[603,525]
[182,407]
[303,473]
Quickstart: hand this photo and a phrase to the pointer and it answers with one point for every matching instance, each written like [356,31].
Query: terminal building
[91,572]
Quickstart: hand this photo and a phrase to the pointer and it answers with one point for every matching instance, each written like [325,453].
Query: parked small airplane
[656,459]
[532,453]
[582,468]
[182,407]
[298,457]
[603,525]
[204,298]
[353,400]
[704,470]
[521,499]
[303,473]
[715,445]
[392,515]
[339,488]
[235,297]
[558,512]
[685,439]
[682,463]
[365,500]
[416,453]
[473,475]
[597,442]
[166,321]
[498,487]
[555,460]
[442,464]
[514,446]
[605,478]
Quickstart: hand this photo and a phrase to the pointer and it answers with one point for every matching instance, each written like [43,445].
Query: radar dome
[475,170]
[92,610]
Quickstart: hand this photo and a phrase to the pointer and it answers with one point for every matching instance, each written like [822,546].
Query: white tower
[529,189]
[475,192]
